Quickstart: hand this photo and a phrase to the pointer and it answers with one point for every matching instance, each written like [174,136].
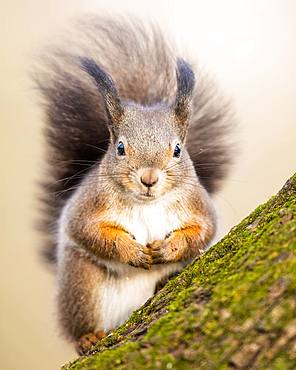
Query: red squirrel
[137,144]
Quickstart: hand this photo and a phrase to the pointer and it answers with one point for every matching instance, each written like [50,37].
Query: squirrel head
[147,143]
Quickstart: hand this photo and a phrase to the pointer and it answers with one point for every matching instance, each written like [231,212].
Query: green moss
[234,307]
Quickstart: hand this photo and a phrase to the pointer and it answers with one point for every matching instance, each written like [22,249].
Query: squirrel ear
[185,85]
[106,87]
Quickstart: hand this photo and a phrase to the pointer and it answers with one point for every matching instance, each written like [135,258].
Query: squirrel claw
[156,250]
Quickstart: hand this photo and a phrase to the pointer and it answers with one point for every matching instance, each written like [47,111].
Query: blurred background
[249,46]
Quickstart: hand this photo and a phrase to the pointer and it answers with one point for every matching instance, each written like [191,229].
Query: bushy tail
[142,64]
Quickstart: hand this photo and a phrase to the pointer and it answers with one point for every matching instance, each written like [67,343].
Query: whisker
[96,147]
[73,176]
[78,161]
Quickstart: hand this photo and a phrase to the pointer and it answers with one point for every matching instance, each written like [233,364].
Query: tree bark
[233,308]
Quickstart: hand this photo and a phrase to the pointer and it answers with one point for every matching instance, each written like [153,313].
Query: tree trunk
[233,308]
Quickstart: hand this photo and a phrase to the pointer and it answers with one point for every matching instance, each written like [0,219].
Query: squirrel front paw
[176,247]
[142,257]
[133,253]
[165,251]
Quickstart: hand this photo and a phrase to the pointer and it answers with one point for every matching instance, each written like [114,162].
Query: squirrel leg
[180,245]
[79,280]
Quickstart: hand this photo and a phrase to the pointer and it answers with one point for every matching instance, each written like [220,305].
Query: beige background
[249,46]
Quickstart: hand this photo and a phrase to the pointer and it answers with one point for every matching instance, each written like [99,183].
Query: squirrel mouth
[147,195]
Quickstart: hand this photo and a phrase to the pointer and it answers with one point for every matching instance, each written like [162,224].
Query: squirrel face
[146,152]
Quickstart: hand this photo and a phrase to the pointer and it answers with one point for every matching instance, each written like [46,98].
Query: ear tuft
[185,85]
[106,87]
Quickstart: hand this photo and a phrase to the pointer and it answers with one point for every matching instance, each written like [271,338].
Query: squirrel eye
[177,151]
[120,148]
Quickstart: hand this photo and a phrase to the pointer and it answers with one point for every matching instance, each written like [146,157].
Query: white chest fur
[148,222]
[120,295]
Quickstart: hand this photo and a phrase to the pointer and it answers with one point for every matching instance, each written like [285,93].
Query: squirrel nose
[149,177]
